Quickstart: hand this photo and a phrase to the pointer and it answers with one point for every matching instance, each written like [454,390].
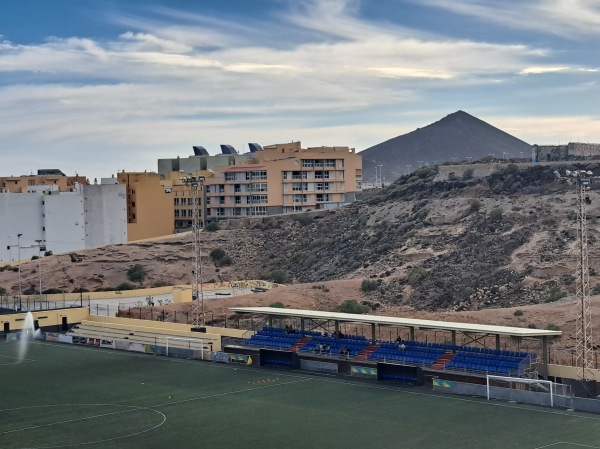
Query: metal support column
[270,320]
[545,357]
[372,332]
[302,324]
[497,341]
[337,326]
[411,333]
[453,337]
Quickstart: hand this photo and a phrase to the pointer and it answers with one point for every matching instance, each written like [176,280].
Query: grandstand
[435,359]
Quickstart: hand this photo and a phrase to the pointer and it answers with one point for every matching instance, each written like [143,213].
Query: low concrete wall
[570,372]
[46,318]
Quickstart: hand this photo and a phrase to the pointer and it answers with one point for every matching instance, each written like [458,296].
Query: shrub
[52,291]
[552,327]
[160,283]
[278,305]
[468,173]
[35,257]
[554,294]
[496,213]
[136,273]
[226,261]
[369,286]
[351,306]
[474,205]
[212,227]
[518,312]
[4,268]
[48,253]
[279,276]
[362,219]
[416,274]
[596,290]
[217,254]
[512,168]
[125,286]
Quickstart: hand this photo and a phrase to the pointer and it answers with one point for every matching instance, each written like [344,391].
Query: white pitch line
[566,442]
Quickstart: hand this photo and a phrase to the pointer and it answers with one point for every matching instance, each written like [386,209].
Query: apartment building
[150,208]
[276,179]
[64,215]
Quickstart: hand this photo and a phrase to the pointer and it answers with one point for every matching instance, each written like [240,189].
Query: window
[133,204]
[207,189]
[329,162]
[176,213]
[176,201]
[308,162]
[221,200]
[258,199]
[258,210]
[221,188]
[207,200]
[238,200]
[300,198]
[190,201]
[322,175]
[237,211]
[229,176]
[259,187]
[260,174]
[320,185]
[237,188]
[248,175]
[299,175]
[287,175]
[319,162]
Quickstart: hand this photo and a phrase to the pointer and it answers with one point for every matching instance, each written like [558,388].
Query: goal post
[519,389]
[192,344]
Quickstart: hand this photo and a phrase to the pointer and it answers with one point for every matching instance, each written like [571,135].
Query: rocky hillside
[461,244]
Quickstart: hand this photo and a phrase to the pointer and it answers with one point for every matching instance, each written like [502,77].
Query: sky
[98,86]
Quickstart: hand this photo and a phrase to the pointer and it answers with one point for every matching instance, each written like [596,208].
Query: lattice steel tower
[197,291]
[584,348]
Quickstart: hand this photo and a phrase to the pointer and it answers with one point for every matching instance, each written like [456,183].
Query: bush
[48,253]
[136,273]
[468,173]
[125,286]
[279,276]
[596,290]
[351,306]
[512,168]
[474,205]
[554,294]
[416,274]
[518,313]
[369,286]
[212,227]
[4,268]
[552,327]
[496,213]
[278,305]
[217,254]
[35,257]
[52,291]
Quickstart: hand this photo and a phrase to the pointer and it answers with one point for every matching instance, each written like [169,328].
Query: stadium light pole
[19,257]
[583,333]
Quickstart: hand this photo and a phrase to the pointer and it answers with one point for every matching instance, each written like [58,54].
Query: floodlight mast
[583,336]
[197,291]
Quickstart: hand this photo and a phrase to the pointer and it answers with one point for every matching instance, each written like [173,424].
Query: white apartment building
[85,217]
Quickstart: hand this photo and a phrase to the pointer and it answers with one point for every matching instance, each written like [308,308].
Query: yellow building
[54,179]
[276,179]
[149,205]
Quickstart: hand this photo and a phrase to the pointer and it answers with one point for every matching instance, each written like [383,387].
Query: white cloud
[566,18]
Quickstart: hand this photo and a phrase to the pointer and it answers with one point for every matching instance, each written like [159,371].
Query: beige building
[54,179]
[149,205]
[276,179]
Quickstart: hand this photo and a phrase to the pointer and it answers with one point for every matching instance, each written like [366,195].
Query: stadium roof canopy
[404,322]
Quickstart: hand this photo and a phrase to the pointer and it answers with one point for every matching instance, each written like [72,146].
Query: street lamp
[19,257]
[40,249]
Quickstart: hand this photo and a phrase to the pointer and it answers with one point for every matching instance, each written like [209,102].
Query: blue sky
[97,86]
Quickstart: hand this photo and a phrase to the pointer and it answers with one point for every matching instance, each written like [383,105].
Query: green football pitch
[68,396]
